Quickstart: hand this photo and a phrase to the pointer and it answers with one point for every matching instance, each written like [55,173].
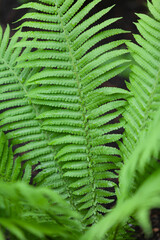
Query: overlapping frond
[35,213]
[18,113]
[144,157]
[10,168]
[135,200]
[63,44]
[146,198]
[144,78]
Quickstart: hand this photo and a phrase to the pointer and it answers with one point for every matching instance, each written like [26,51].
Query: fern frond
[10,169]
[144,79]
[18,113]
[145,154]
[135,200]
[36,213]
[146,198]
[72,71]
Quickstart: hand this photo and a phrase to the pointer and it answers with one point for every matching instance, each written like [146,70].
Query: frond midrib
[82,108]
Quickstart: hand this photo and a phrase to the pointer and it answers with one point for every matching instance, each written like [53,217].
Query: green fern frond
[36,213]
[146,198]
[144,79]
[18,113]
[135,201]
[145,154]
[67,84]
[10,168]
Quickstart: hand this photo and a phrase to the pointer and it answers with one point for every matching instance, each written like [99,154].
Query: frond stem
[83,108]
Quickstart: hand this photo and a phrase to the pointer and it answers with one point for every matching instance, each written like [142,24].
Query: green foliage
[10,169]
[144,79]
[56,118]
[18,113]
[67,84]
[136,199]
[36,213]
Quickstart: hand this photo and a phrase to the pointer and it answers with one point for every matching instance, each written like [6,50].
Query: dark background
[123,8]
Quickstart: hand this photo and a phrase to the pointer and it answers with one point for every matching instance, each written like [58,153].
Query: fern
[146,154]
[36,213]
[10,169]
[137,205]
[144,79]
[139,177]
[18,113]
[56,118]
[67,84]
[137,201]
[29,213]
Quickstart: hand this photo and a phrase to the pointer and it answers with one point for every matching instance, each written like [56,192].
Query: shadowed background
[124,8]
